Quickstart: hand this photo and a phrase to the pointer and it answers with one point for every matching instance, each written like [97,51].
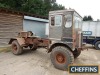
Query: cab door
[55,27]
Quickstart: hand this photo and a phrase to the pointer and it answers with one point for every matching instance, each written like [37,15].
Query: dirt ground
[38,62]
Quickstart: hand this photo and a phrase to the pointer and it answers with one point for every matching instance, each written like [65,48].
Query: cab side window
[56,20]
[52,21]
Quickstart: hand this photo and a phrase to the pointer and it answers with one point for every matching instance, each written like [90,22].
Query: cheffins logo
[83,69]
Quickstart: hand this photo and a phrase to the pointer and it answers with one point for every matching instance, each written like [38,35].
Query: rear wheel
[61,57]
[33,47]
[76,53]
[97,45]
[16,48]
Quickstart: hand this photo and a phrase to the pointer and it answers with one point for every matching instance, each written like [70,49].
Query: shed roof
[36,19]
[21,13]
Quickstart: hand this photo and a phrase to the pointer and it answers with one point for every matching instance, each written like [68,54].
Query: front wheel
[16,48]
[97,45]
[61,57]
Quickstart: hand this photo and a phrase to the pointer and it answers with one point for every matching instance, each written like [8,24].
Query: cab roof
[62,11]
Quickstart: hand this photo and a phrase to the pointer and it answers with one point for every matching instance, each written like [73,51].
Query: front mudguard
[21,41]
[59,43]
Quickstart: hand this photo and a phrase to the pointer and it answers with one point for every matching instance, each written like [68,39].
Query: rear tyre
[61,57]
[16,48]
[33,47]
[97,45]
[76,53]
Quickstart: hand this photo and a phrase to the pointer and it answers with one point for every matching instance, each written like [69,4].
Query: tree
[90,18]
[12,4]
[39,7]
[56,6]
[87,18]
[98,19]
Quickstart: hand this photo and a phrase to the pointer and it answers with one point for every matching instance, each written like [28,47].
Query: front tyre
[16,48]
[97,45]
[61,57]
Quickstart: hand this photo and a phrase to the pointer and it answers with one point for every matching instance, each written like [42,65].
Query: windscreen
[68,20]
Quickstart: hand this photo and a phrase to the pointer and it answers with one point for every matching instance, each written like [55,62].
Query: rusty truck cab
[65,27]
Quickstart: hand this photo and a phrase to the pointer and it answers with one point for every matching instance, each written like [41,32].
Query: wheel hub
[99,45]
[60,58]
[14,47]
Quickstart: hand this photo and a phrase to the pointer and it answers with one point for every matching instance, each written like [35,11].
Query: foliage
[87,18]
[39,7]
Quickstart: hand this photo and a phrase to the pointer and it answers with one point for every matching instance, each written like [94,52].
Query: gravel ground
[38,62]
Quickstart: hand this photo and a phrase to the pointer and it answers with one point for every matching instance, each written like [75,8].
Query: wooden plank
[10,25]
[12,15]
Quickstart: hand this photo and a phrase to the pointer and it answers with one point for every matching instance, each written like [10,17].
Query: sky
[83,7]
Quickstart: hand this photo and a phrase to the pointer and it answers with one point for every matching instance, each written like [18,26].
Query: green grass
[5,49]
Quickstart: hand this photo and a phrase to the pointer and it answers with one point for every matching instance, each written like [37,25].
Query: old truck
[91,33]
[64,42]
